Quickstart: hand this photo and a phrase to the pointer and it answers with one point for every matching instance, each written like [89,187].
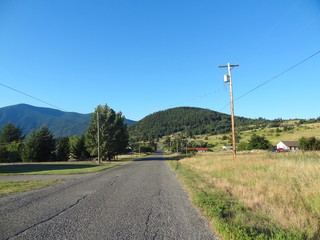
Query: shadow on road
[25,168]
[159,156]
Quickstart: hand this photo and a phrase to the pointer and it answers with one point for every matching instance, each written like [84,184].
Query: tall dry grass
[284,187]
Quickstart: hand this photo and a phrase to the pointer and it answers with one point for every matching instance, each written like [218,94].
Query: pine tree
[10,133]
[78,148]
[62,149]
[39,146]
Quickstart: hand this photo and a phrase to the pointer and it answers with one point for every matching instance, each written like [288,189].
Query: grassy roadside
[23,186]
[258,196]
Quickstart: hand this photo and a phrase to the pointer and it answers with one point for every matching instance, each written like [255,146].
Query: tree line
[41,146]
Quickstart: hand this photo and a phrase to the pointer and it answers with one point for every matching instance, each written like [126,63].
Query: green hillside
[60,123]
[289,130]
[192,121]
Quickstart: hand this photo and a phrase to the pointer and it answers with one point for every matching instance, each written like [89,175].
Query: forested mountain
[190,120]
[59,123]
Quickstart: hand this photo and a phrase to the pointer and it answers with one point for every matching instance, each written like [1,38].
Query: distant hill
[60,123]
[191,119]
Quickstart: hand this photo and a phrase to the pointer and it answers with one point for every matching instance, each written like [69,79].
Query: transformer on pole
[227,78]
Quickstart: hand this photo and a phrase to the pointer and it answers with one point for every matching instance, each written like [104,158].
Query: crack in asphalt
[146,231]
[154,237]
[114,180]
[48,219]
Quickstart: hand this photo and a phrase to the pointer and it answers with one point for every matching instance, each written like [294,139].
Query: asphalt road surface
[139,200]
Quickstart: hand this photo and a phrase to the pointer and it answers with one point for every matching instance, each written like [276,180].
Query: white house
[288,145]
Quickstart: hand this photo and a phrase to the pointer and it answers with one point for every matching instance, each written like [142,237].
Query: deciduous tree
[113,133]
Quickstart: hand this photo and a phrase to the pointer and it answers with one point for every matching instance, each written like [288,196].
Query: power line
[178,103]
[278,75]
[30,96]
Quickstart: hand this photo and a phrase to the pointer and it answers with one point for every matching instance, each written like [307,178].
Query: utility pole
[139,146]
[228,79]
[98,127]
[186,146]
[177,146]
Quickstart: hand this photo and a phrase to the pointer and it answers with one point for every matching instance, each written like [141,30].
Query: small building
[288,145]
[199,150]
[225,148]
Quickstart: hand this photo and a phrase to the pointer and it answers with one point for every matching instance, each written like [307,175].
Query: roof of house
[291,143]
[201,149]
[198,149]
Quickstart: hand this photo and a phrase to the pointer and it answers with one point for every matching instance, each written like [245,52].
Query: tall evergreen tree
[39,146]
[62,149]
[78,148]
[113,133]
[10,133]
[121,135]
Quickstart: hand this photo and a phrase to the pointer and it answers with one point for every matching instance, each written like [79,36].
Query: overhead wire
[187,100]
[30,96]
[276,76]
[178,103]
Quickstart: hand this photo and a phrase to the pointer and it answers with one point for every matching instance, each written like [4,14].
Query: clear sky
[144,56]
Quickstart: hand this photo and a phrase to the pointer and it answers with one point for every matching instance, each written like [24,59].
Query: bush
[258,142]
[242,146]
[146,148]
[309,144]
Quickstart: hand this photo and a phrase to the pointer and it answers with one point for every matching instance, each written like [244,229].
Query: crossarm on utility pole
[227,66]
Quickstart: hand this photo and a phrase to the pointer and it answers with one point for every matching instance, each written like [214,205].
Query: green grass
[230,218]
[22,186]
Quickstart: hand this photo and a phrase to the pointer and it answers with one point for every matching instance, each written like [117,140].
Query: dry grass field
[279,193]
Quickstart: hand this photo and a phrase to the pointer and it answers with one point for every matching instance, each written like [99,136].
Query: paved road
[139,200]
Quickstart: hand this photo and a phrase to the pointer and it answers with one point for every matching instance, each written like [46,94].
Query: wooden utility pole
[98,127]
[228,79]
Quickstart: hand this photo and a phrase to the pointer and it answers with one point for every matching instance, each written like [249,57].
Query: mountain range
[191,120]
[59,123]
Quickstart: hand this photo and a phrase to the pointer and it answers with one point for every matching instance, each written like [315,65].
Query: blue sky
[144,56]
